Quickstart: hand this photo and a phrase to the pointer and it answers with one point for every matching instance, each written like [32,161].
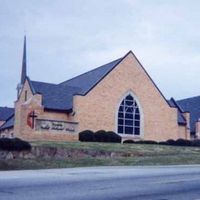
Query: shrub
[146,142]
[128,142]
[100,136]
[86,136]
[109,136]
[14,144]
[182,142]
[195,143]
[163,143]
[113,137]
[171,142]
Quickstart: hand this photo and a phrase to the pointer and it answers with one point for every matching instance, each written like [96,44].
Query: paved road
[103,183]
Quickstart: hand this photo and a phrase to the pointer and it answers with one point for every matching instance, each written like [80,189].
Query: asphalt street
[99,183]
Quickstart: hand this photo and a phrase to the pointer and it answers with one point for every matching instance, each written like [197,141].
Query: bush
[171,142]
[179,142]
[182,142]
[163,143]
[99,136]
[128,142]
[14,144]
[109,136]
[146,142]
[113,137]
[195,143]
[86,136]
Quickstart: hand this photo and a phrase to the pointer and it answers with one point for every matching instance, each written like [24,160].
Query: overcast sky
[68,37]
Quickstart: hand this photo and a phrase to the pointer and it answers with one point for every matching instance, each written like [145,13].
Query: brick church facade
[119,96]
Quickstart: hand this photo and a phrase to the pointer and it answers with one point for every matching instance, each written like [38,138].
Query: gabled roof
[5,113]
[89,79]
[60,96]
[191,105]
[9,123]
[180,117]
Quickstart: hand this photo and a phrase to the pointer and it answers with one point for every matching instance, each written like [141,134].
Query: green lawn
[133,154]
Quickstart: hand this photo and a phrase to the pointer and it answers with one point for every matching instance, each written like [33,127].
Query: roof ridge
[176,104]
[119,59]
[44,82]
[6,107]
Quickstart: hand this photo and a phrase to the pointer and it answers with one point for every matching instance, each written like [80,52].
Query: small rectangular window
[25,96]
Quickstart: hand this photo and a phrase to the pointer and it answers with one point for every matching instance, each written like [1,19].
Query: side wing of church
[7,122]
[119,96]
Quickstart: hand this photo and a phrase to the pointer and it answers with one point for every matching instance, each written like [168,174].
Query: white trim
[141,116]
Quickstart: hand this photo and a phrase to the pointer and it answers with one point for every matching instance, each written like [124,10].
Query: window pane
[129,122]
[137,131]
[129,103]
[120,121]
[120,114]
[129,109]
[137,117]
[137,123]
[129,115]
[129,97]
[129,130]
[120,129]
[137,111]
[121,109]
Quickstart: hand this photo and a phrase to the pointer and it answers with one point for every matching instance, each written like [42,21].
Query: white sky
[68,37]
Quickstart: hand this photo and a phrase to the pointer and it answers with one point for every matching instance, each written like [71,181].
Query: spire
[23,74]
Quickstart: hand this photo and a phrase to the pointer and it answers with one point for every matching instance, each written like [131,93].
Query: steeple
[23,74]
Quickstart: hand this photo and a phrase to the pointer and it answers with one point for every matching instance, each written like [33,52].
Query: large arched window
[129,116]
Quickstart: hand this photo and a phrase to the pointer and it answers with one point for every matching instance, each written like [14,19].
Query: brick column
[198,128]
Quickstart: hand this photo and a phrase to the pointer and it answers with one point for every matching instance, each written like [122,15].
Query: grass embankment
[134,154]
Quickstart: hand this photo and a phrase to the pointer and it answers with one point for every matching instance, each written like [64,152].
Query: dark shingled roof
[8,124]
[191,105]
[5,113]
[181,118]
[56,97]
[60,96]
[89,79]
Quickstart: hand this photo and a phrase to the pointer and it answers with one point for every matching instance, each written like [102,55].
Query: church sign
[54,125]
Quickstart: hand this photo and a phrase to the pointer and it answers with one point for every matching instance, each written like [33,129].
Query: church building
[119,96]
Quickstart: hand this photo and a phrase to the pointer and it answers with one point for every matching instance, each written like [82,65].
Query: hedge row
[109,136]
[99,136]
[179,142]
[14,144]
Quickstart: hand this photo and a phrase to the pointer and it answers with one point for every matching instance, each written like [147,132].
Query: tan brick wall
[198,129]
[187,128]
[97,110]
